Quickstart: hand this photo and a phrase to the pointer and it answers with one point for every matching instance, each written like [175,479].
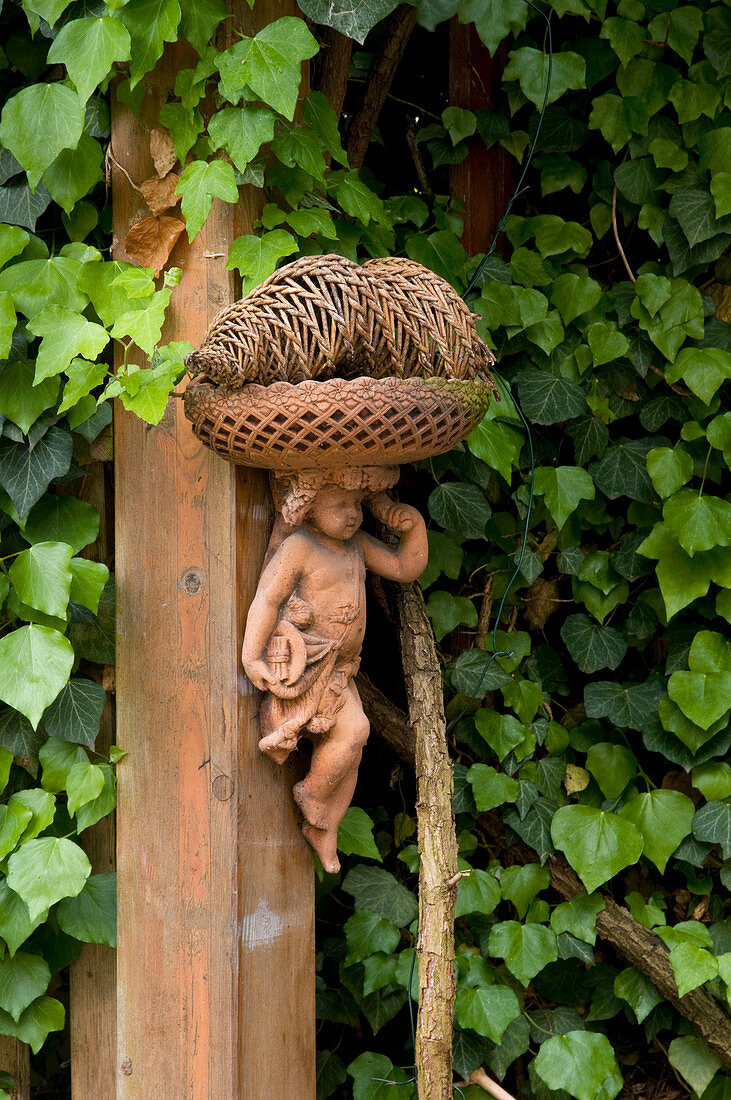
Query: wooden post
[15,1060]
[216,910]
[93,995]
[484,179]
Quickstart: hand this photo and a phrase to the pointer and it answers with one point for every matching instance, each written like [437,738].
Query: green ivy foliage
[603,734]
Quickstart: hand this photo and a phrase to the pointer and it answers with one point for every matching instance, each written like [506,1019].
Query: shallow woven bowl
[336,422]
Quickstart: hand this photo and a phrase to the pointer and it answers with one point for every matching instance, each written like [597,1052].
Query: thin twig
[479,1077]
[675,388]
[124,171]
[398,99]
[625,261]
[483,619]
[418,160]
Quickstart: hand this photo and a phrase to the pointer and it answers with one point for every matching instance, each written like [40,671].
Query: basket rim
[281,386]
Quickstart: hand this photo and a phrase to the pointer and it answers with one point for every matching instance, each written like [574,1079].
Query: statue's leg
[325,793]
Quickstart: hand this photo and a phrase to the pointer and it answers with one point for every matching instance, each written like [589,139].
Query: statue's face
[337,512]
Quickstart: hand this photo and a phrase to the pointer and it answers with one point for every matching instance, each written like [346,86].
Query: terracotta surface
[335,422]
[305,629]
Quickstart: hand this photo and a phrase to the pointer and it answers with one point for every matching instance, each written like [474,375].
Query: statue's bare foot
[324,841]
[313,811]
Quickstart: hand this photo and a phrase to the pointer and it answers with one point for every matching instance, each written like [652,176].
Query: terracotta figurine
[305,628]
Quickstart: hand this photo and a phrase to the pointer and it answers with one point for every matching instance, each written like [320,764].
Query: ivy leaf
[74,173]
[88,580]
[530,68]
[42,577]
[699,522]
[574,295]
[638,991]
[62,518]
[494,19]
[580,1062]
[355,834]
[35,284]
[376,1078]
[15,922]
[91,916]
[25,474]
[460,506]
[692,966]
[35,662]
[497,445]
[669,468]
[578,916]
[43,871]
[680,28]
[151,23]
[76,712]
[704,692]
[352,20]
[618,118]
[598,845]
[66,334]
[487,1010]
[322,120]
[84,784]
[23,977]
[628,706]
[547,399]
[52,110]
[20,400]
[592,646]
[695,1061]
[19,205]
[17,734]
[682,578]
[271,62]
[704,369]
[40,1018]
[14,817]
[503,732]
[255,258]
[376,889]
[88,48]
[102,805]
[479,892]
[695,212]
[622,471]
[712,823]
[490,787]
[520,885]
[563,487]
[447,612]
[42,806]
[200,182]
[241,131]
[664,819]
[357,199]
[199,21]
[526,948]
[613,766]
[12,242]
[367,933]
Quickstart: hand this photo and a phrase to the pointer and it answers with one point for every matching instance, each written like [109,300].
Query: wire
[519,562]
[519,188]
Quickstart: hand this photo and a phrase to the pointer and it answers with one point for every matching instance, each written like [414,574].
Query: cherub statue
[305,628]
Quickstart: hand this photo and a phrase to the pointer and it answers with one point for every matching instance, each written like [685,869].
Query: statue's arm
[276,584]
[408,560]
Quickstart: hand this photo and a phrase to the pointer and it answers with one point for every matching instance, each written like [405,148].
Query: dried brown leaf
[162,150]
[159,193]
[150,241]
[541,600]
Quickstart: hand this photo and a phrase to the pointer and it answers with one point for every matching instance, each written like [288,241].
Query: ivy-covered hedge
[603,735]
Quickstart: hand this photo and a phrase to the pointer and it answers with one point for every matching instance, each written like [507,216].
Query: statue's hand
[260,674]
[400,517]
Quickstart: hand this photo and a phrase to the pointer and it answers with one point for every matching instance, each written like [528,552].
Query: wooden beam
[216,908]
[93,977]
[483,181]
[15,1060]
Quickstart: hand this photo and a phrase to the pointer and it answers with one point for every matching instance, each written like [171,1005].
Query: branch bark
[630,939]
[334,83]
[437,848]
[384,68]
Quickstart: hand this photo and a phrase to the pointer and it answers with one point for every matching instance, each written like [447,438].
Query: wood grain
[93,996]
[216,911]
[15,1060]
[483,181]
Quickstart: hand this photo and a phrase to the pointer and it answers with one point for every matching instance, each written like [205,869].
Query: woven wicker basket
[328,363]
[338,422]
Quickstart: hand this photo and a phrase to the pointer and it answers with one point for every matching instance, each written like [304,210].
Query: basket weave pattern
[323,316]
[361,421]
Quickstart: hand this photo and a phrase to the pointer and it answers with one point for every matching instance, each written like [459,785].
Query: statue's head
[331,499]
